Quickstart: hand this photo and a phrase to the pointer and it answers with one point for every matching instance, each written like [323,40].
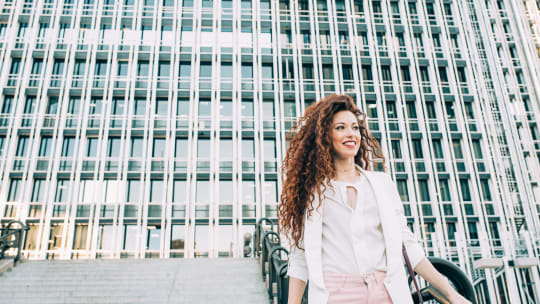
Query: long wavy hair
[308,162]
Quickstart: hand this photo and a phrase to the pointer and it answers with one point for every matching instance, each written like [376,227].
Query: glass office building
[155,128]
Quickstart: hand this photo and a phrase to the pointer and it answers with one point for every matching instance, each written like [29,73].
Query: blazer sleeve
[413,246]
[297,266]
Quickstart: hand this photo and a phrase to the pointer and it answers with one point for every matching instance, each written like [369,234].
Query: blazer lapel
[313,234]
[388,222]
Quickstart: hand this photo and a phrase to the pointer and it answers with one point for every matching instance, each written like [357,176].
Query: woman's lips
[349,144]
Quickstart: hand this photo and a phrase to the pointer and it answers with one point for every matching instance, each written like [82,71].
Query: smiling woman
[333,207]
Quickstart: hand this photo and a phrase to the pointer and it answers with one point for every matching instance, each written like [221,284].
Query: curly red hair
[308,161]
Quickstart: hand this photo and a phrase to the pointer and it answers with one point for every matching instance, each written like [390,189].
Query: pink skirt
[363,289]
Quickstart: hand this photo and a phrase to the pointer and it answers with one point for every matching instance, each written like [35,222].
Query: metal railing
[273,259]
[11,237]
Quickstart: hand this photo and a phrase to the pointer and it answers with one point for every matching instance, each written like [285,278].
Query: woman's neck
[345,170]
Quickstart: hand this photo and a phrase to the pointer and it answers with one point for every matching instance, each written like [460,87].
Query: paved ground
[134,281]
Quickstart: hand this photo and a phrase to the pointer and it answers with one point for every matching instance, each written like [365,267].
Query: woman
[346,223]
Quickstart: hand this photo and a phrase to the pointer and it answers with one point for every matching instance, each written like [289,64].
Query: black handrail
[276,273]
[267,246]
[12,238]
[455,275]
[257,235]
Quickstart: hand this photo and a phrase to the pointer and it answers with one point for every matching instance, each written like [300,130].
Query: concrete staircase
[134,281]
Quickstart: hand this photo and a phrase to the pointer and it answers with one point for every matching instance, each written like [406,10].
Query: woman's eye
[339,128]
[356,128]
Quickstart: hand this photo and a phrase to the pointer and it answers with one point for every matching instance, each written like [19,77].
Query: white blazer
[306,264]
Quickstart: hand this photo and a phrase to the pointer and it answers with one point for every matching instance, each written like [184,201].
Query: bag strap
[411,272]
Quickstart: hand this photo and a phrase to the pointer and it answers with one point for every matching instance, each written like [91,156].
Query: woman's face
[345,135]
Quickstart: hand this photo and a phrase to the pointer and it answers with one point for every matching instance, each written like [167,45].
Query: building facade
[156,128]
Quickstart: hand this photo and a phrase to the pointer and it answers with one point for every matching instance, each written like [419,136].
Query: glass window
[100,68]
[206,69]
[424,190]
[248,148]
[180,191]
[424,74]
[205,107]
[226,108]
[123,67]
[143,68]
[307,71]
[437,148]
[444,190]
[156,191]
[226,148]
[430,109]
[247,70]
[396,149]
[226,191]
[136,147]
[178,237]
[403,189]
[442,74]
[105,237]
[267,71]
[130,237]
[226,70]
[477,148]
[68,146]
[6,106]
[164,68]
[55,236]
[417,148]
[328,71]
[202,191]
[185,69]
[38,191]
[225,241]
[91,146]
[113,147]
[289,108]
[458,152]
[181,148]
[367,73]
[469,111]
[201,240]
[203,148]
[80,238]
[182,107]
[248,191]
[22,146]
[386,74]
[159,147]
[44,146]
[162,107]
[465,189]
[411,110]
[134,187]
[14,190]
[62,187]
[247,107]
[270,189]
[270,149]
[486,192]
[371,109]
[153,237]
[391,111]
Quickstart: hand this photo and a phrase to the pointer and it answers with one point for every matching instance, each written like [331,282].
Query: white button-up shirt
[352,239]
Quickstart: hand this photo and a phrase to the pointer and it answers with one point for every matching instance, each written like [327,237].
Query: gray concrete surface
[134,281]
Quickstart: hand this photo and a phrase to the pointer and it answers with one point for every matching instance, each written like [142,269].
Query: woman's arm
[298,274]
[419,262]
[426,270]
[296,290]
